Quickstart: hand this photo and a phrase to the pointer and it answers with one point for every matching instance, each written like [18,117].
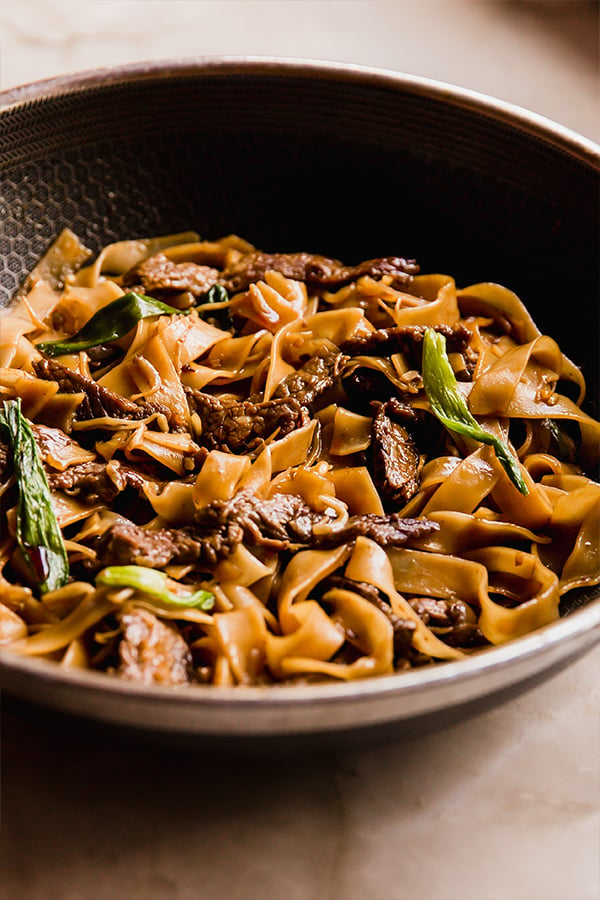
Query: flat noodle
[267,439]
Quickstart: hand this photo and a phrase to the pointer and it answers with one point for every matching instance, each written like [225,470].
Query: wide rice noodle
[508,558]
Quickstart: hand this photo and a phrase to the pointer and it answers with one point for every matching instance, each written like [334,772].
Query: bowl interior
[349,163]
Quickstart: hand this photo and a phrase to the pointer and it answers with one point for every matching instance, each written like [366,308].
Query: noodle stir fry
[221,465]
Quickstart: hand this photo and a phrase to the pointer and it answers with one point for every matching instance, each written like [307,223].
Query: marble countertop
[500,807]
[539,54]
[504,806]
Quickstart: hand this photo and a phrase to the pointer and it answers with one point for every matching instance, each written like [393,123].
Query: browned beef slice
[387,531]
[272,523]
[405,339]
[316,271]
[404,629]
[241,426]
[126,543]
[53,442]
[160,275]
[285,519]
[276,523]
[151,651]
[393,453]
[455,620]
[98,401]
[312,379]
[362,588]
[91,481]
[219,528]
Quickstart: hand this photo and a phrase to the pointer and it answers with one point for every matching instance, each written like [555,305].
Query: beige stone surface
[539,54]
[505,806]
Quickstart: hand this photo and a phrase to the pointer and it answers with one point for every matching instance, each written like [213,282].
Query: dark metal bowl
[345,161]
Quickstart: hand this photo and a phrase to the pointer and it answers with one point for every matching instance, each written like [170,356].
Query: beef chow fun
[228,466]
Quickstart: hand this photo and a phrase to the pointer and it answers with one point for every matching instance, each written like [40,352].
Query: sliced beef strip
[317,271]
[160,275]
[387,531]
[314,378]
[92,482]
[241,426]
[273,523]
[277,523]
[362,588]
[454,620]
[393,453]
[406,339]
[53,442]
[125,543]
[404,629]
[152,651]
[285,519]
[98,401]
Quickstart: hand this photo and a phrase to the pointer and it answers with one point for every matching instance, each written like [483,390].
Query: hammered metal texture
[303,161]
[347,166]
[320,160]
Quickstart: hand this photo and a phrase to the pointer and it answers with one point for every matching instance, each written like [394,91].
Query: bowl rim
[82,80]
[570,635]
[560,634]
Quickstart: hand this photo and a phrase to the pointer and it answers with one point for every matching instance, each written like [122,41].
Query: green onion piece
[110,323]
[216,294]
[563,442]
[154,583]
[450,407]
[38,533]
